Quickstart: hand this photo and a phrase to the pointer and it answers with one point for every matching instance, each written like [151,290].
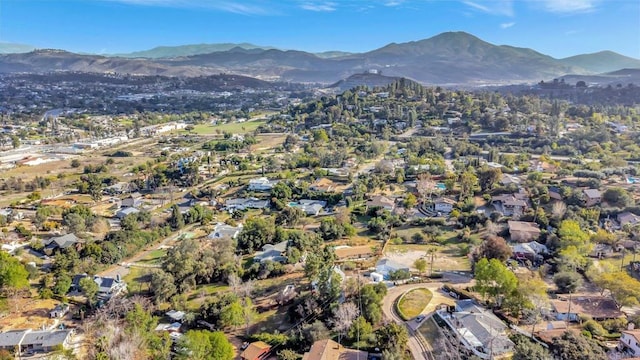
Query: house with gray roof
[133,200]
[478,329]
[246,203]
[272,252]
[126,211]
[34,341]
[310,207]
[222,230]
[387,266]
[108,287]
[61,243]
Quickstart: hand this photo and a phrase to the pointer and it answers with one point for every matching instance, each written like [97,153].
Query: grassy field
[235,128]
[413,302]
[154,257]
[446,258]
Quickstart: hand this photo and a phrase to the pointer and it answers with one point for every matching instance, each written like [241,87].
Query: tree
[290,216]
[205,345]
[495,247]
[13,275]
[232,314]
[163,285]
[90,289]
[488,177]
[63,284]
[255,233]
[495,279]
[421,265]
[176,220]
[410,201]
[281,191]
[576,346]
[393,337]
[361,330]
[343,317]
[571,234]
[15,141]
[315,331]
[568,281]
[624,288]
[468,181]
[525,349]
[617,197]
[75,163]
[287,354]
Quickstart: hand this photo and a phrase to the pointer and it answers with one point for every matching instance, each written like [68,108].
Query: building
[61,243]
[478,329]
[126,211]
[630,341]
[592,197]
[385,267]
[272,252]
[381,202]
[59,311]
[256,350]
[331,350]
[443,205]
[246,203]
[108,287]
[511,204]
[322,185]
[133,200]
[310,207]
[597,307]
[261,184]
[26,341]
[531,251]
[523,231]
[222,230]
[628,218]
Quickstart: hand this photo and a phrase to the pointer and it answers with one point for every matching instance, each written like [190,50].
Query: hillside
[165,52]
[452,58]
[364,79]
[602,62]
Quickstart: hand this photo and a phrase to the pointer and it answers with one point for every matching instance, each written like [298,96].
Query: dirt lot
[444,259]
[31,314]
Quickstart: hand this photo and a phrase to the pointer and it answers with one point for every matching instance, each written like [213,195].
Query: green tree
[255,233]
[361,330]
[232,314]
[495,279]
[567,281]
[617,197]
[488,177]
[205,345]
[281,191]
[320,136]
[13,275]
[15,141]
[176,220]
[468,181]
[576,346]
[90,289]
[421,265]
[393,336]
[410,201]
[525,349]
[163,285]
[63,284]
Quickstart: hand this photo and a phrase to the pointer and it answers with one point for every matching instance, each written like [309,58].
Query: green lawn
[138,280]
[235,128]
[413,302]
[154,257]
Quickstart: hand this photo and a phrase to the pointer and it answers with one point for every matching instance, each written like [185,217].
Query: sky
[559,28]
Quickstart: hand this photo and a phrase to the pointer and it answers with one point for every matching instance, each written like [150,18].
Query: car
[244,345]
[419,318]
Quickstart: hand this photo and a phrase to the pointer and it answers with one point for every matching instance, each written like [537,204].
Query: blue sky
[559,28]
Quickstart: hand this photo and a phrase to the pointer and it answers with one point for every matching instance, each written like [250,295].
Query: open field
[447,258]
[28,313]
[235,128]
[413,302]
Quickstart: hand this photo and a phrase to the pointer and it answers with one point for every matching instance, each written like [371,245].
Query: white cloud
[392,3]
[319,6]
[569,6]
[493,7]
[236,7]
[507,25]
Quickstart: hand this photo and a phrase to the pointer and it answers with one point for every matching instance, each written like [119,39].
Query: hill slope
[602,62]
[161,52]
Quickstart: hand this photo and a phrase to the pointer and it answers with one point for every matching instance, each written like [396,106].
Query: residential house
[322,185]
[628,218]
[511,204]
[35,341]
[531,251]
[176,315]
[523,231]
[75,282]
[108,287]
[630,341]
[592,197]
[261,184]
[385,267]
[222,230]
[134,200]
[443,205]
[597,307]
[478,329]
[272,252]
[170,328]
[508,179]
[381,202]
[61,243]
[330,350]
[310,207]
[554,193]
[255,351]
[59,311]
[121,214]
[246,203]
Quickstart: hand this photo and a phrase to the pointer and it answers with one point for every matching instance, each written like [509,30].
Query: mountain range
[446,59]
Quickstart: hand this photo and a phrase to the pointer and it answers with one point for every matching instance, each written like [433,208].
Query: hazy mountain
[447,59]
[161,52]
[601,62]
[13,48]
[332,54]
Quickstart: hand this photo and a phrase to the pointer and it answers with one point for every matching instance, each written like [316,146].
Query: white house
[630,341]
[443,205]
[261,184]
[222,230]
[385,267]
[246,203]
[310,207]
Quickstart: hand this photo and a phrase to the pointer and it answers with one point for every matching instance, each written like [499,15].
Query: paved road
[419,347]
